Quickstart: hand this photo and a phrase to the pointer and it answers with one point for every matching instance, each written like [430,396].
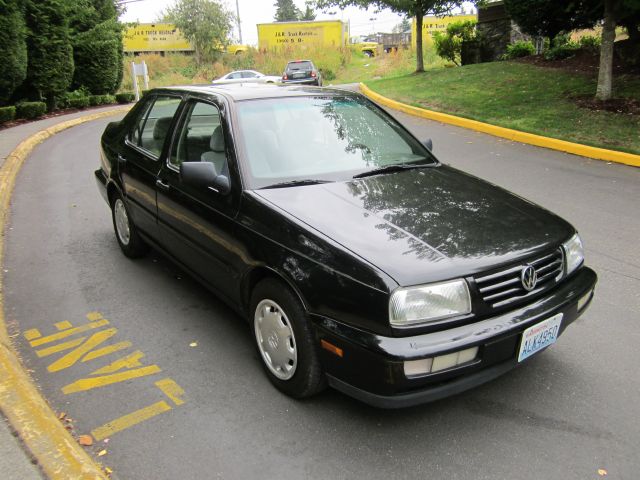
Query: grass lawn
[523,97]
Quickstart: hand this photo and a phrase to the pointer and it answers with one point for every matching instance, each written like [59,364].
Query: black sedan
[358,259]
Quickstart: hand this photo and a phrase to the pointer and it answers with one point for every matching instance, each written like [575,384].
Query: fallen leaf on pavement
[102,453]
[62,415]
[108,470]
[602,472]
[85,440]
[193,344]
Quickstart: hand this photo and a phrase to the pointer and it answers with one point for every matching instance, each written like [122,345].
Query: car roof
[253,91]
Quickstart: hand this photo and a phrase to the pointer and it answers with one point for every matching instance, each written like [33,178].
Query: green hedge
[7,114]
[79,102]
[30,110]
[125,97]
[95,100]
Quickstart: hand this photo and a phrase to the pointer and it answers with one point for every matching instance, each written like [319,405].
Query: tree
[308,14]
[412,8]
[97,46]
[50,54]
[286,11]
[548,18]
[13,54]
[98,58]
[449,45]
[403,26]
[205,23]
[615,12]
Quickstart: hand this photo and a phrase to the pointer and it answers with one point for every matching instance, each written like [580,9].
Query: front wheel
[284,340]
[131,244]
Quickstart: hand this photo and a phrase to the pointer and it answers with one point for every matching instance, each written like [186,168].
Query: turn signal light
[331,348]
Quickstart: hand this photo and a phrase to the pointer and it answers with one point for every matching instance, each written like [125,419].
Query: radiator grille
[505,286]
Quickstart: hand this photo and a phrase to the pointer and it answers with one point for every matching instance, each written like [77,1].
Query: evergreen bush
[30,110]
[7,114]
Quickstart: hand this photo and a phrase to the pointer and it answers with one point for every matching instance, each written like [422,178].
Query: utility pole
[239,27]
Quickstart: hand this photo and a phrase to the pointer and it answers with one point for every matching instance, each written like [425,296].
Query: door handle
[121,159]
[164,186]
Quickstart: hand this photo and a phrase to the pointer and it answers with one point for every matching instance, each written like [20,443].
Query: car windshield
[320,138]
[299,66]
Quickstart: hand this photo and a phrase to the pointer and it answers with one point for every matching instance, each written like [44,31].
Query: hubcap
[276,341]
[121,221]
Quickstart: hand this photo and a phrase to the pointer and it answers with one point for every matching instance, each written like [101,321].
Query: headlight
[573,253]
[428,303]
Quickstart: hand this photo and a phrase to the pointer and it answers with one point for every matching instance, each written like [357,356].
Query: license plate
[539,336]
[299,75]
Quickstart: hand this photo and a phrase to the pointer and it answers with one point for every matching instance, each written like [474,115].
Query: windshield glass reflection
[320,138]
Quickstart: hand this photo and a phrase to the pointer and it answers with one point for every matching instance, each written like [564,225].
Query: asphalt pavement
[177,390]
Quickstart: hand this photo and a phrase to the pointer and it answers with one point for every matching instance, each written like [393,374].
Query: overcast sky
[253,12]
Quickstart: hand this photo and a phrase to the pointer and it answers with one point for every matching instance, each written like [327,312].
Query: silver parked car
[246,76]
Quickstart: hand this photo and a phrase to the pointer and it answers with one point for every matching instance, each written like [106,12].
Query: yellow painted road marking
[95,382]
[171,389]
[129,420]
[73,356]
[67,333]
[63,325]
[32,334]
[130,361]
[106,350]
[44,352]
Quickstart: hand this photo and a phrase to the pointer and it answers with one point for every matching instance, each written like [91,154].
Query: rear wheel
[284,340]
[131,244]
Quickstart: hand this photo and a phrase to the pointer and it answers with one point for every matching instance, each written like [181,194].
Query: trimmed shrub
[95,100]
[30,110]
[125,97]
[519,49]
[7,114]
[590,42]
[560,52]
[79,102]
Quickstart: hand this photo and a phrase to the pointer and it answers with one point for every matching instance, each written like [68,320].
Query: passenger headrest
[217,140]
[161,128]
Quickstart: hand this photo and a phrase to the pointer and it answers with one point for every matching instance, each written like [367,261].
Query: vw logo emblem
[529,277]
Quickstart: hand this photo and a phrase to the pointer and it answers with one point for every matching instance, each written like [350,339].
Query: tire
[131,244]
[284,340]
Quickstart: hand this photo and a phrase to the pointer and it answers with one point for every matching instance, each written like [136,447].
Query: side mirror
[429,144]
[204,175]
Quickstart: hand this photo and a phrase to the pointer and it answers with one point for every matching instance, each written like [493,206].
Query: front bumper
[372,366]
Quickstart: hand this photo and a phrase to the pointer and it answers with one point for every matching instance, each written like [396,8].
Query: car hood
[425,224]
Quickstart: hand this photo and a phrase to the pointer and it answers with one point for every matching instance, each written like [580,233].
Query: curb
[56,451]
[508,133]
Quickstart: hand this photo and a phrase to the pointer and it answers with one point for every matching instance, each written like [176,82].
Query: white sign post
[141,70]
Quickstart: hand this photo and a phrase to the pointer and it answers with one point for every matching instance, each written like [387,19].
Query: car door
[139,160]
[250,77]
[197,223]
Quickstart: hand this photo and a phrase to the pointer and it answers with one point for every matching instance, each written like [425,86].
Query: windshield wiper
[392,168]
[297,183]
